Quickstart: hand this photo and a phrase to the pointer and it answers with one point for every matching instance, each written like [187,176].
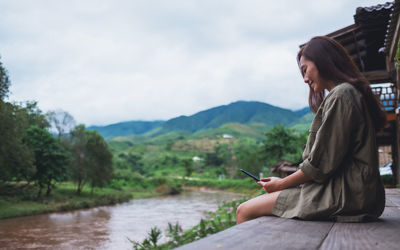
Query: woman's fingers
[266,179]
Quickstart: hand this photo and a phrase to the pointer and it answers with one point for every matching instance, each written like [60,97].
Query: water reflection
[59,230]
[108,227]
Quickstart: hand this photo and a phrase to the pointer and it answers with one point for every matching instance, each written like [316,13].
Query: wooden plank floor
[270,232]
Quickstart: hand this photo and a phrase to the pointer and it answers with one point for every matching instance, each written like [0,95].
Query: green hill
[240,118]
[303,123]
[125,128]
[238,112]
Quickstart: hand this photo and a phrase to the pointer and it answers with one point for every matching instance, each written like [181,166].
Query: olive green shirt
[341,157]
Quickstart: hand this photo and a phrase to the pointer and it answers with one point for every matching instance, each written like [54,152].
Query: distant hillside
[303,111]
[237,130]
[257,117]
[237,112]
[126,128]
[303,123]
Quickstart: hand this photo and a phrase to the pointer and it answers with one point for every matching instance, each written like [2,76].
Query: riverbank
[222,218]
[18,199]
[109,227]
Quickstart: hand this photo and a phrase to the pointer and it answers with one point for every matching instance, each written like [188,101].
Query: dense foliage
[50,158]
[4,82]
[16,158]
[210,157]
[279,142]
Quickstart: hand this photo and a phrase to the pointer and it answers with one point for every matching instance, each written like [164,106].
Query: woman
[339,176]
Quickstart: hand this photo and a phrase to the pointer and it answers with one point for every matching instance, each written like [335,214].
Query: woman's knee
[256,207]
[241,212]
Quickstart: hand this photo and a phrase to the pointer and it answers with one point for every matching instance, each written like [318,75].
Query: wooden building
[372,41]
[285,168]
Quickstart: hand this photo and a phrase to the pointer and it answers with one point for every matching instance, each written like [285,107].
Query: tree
[279,141]
[32,115]
[212,159]
[221,155]
[92,159]
[131,160]
[61,120]
[99,159]
[188,166]
[51,158]
[247,154]
[4,82]
[16,159]
[11,144]
[78,166]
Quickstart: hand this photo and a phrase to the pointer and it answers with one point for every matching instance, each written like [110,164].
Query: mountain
[125,128]
[256,116]
[238,112]
[303,111]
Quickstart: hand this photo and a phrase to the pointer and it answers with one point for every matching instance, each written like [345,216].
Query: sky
[107,61]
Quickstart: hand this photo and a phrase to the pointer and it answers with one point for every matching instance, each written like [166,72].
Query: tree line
[30,152]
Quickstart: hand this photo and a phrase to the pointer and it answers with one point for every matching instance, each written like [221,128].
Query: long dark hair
[335,64]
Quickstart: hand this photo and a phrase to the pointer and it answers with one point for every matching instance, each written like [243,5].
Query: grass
[19,200]
[245,186]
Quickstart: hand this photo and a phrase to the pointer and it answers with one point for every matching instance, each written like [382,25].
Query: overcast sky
[118,60]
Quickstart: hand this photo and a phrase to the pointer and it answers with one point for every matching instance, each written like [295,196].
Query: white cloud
[109,61]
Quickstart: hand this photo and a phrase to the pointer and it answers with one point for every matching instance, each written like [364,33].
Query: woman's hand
[271,184]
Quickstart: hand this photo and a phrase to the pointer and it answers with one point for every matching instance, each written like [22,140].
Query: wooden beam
[343,31]
[378,76]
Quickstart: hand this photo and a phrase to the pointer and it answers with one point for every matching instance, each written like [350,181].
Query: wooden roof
[392,34]
[365,40]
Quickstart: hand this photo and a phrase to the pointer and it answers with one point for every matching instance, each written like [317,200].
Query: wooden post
[396,152]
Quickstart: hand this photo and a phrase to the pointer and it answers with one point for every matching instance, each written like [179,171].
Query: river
[109,227]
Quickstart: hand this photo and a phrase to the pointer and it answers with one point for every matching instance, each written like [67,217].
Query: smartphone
[250,174]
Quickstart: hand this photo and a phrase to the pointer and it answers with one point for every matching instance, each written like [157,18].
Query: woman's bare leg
[256,207]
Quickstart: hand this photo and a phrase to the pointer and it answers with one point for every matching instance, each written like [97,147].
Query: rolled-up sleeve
[332,138]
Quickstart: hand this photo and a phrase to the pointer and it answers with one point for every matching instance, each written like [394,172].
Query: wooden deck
[278,233]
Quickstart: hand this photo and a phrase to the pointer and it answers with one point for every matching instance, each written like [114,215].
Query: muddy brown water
[109,227]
